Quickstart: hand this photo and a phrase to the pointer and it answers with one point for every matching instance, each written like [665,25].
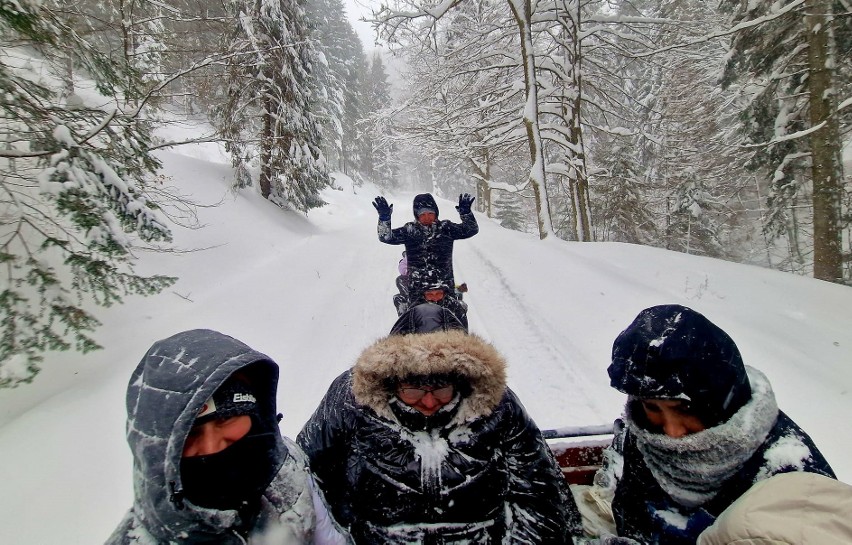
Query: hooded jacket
[426,318]
[166,391]
[477,471]
[789,509]
[668,490]
[429,249]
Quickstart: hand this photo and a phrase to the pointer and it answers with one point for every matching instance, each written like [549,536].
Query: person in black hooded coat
[474,470]
[699,429]
[428,240]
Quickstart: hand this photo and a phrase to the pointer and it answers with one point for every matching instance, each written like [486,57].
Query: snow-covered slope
[313,291]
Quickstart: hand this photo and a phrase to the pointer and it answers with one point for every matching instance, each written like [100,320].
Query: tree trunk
[482,175]
[522,12]
[580,186]
[826,166]
[267,140]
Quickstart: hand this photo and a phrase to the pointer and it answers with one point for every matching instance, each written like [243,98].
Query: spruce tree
[74,194]
[381,162]
[271,109]
[794,57]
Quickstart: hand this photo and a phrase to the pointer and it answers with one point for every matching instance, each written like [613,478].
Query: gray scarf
[693,468]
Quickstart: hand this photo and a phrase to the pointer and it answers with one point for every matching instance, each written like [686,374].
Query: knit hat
[233,398]
[673,352]
[425,202]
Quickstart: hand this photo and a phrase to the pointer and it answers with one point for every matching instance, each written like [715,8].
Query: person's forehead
[665,402]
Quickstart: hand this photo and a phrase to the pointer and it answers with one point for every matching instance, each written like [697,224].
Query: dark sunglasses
[412,395]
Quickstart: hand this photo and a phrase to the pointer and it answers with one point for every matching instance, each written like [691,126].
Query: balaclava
[231,478]
[673,352]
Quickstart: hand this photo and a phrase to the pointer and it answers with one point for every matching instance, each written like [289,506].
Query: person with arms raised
[428,240]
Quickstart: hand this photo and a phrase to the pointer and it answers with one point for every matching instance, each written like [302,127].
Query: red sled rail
[580,455]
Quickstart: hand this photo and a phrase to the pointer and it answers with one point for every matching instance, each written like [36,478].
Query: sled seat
[579,450]
[580,460]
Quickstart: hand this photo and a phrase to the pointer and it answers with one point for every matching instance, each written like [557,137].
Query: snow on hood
[166,391]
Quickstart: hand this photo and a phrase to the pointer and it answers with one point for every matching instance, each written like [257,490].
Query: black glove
[383,208]
[465,201]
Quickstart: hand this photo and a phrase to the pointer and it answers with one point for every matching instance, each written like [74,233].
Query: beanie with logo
[233,478]
[233,398]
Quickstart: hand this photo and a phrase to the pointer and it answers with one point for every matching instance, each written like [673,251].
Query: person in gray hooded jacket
[209,463]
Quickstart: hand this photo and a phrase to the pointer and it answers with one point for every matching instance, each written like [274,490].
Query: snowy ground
[313,291]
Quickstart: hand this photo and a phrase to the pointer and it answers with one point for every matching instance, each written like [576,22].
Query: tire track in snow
[512,326]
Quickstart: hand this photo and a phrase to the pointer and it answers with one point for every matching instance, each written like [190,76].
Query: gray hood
[166,392]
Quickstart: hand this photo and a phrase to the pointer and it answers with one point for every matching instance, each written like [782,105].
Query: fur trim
[440,352]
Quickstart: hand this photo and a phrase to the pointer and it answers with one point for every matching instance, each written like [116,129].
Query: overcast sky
[355,9]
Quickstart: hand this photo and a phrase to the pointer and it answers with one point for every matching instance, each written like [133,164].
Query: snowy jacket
[669,489]
[645,512]
[478,471]
[792,509]
[166,391]
[429,249]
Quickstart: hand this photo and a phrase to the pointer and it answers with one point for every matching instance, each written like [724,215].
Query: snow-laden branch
[798,134]
[733,30]
[104,123]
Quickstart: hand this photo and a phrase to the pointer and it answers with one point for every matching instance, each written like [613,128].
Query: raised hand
[465,202]
[383,208]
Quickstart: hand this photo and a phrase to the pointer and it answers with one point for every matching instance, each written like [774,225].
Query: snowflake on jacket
[477,471]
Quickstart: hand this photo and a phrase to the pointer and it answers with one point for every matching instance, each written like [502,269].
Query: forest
[718,129]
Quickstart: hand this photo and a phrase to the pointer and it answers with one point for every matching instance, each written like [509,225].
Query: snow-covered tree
[792,118]
[510,211]
[381,163]
[75,185]
[341,74]
[424,25]
[622,211]
[270,114]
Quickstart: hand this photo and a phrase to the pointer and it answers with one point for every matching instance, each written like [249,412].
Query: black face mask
[232,478]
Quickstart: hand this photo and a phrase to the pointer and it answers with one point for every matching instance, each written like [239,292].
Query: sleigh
[579,450]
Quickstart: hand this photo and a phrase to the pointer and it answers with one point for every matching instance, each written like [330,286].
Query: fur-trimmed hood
[440,352]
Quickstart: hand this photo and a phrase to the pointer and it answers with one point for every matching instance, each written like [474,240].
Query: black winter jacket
[643,511]
[478,471]
[429,250]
